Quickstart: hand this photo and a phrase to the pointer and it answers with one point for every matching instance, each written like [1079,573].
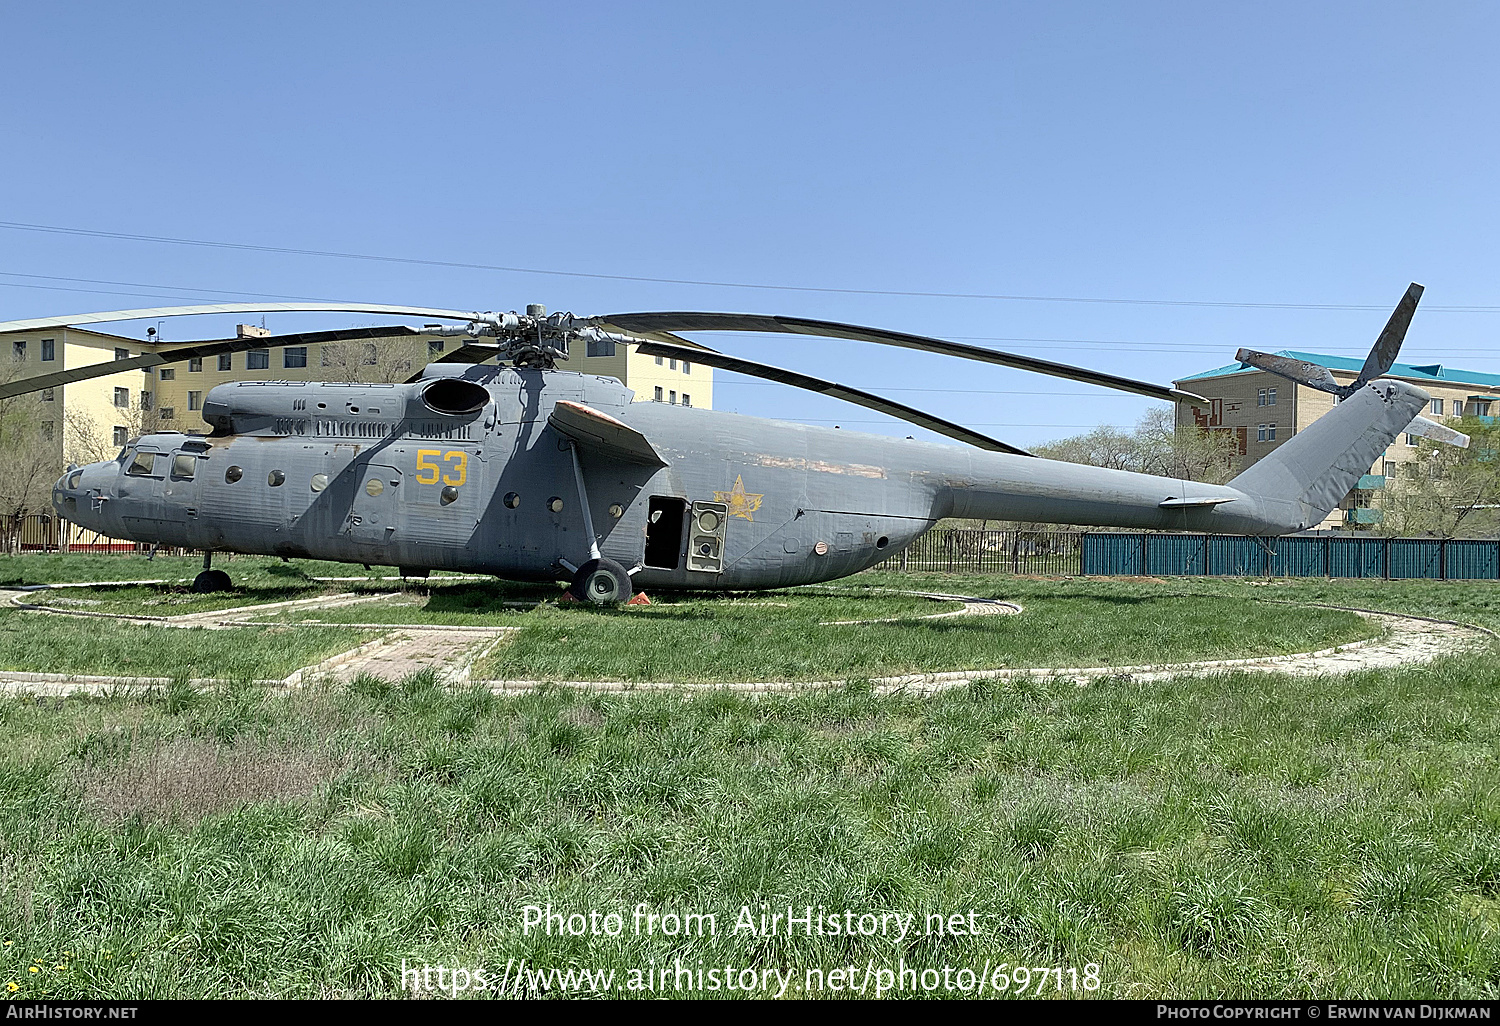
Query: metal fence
[40,532]
[1219,555]
[972,551]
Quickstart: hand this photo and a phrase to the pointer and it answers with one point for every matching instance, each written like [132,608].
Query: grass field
[1246,835]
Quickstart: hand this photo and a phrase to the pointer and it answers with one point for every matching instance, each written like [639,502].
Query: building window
[658,389]
[167,413]
[687,400]
[256,359]
[1260,397]
[1481,408]
[1260,432]
[1388,469]
[195,364]
[122,397]
[601,347]
[658,361]
[1411,439]
[671,364]
[687,368]
[122,354]
[1436,408]
[195,400]
[371,354]
[46,431]
[1270,432]
[294,356]
[48,395]
[226,361]
[672,400]
[168,373]
[1270,397]
[18,349]
[49,349]
[145,400]
[436,348]
[121,435]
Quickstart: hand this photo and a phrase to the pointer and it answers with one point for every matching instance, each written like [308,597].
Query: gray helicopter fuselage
[375,474]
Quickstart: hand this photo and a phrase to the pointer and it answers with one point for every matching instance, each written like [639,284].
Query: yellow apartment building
[88,420]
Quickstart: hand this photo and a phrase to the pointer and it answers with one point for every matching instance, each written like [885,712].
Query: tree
[1156,445]
[384,361]
[32,458]
[1444,491]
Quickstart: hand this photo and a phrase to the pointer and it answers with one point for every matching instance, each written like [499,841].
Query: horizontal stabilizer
[1437,432]
[1206,500]
[604,434]
[1300,371]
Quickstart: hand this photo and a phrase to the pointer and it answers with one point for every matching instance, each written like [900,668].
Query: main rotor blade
[1388,345]
[153,313]
[837,391]
[644,323]
[181,354]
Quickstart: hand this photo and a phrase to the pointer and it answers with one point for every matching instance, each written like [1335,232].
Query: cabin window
[319,482]
[448,494]
[664,519]
[184,465]
[233,474]
[143,464]
[374,487]
[555,504]
[512,500]
[276,478]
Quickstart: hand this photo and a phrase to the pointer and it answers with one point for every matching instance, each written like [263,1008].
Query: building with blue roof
[1260,410]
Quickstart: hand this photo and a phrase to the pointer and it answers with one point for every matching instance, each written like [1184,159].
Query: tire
[212,580]
[601,582]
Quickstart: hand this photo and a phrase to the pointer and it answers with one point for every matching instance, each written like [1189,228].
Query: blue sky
[1267,153]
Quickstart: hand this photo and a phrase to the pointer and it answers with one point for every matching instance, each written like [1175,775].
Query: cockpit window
[184,465]
[143,464]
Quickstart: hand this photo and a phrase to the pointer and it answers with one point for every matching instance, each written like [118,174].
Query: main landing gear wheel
[212,580]
[602,582]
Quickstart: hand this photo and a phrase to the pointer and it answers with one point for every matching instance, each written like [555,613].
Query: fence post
[1442,559]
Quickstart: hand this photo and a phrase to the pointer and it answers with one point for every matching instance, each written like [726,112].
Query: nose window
[142,465]
[73,479]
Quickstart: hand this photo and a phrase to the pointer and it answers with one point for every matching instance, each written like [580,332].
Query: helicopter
[518,469]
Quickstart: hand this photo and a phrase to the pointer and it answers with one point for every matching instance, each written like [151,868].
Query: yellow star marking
[741,503]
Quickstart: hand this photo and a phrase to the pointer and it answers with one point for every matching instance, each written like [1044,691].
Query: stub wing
[604,434]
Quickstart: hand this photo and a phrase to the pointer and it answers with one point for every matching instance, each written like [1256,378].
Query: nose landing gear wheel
[212,580]
[602,582]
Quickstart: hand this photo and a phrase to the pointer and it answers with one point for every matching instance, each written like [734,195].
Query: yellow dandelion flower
[12,986]
[7,944]
[34,969]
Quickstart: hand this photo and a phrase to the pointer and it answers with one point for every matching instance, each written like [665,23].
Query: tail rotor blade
[1388,345]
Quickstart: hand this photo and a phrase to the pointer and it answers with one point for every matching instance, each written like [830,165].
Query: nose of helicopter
[80,495]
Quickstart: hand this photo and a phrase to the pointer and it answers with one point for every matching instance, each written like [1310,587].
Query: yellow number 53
[428,462]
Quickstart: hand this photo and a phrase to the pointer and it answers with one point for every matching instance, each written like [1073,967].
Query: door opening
[664,517]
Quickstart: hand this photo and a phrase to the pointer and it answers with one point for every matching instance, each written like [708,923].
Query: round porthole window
[374,486]
[555,504]
[617,511]
[512,500]
[319,482]
[882,542]
[448,494]
[276,479]
[708,520]
[232,474]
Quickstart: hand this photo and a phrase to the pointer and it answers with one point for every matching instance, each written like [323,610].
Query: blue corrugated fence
[1219,555]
